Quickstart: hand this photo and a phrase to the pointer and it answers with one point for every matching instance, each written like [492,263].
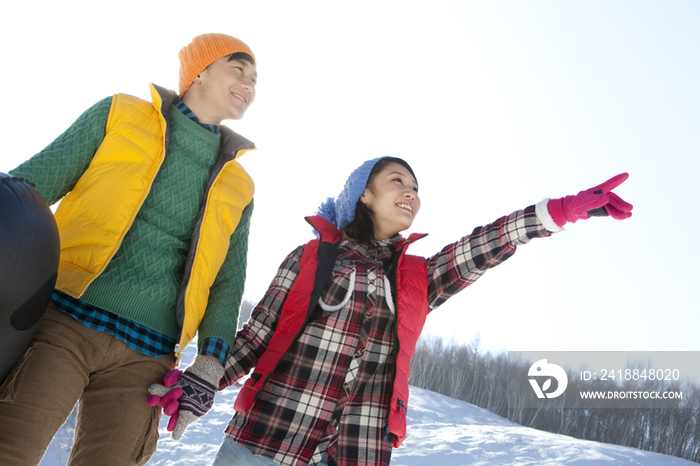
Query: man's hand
[186,396]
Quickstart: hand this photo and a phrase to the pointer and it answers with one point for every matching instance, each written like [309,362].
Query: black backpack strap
[327,253]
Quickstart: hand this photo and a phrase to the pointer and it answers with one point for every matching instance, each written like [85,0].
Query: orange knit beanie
[202,52]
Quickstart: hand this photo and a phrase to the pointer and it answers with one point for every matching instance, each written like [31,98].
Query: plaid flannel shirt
[329,397]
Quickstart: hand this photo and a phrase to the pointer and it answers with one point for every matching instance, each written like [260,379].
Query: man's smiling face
[226,89]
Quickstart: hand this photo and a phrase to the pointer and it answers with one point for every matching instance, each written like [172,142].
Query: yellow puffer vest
[94,217]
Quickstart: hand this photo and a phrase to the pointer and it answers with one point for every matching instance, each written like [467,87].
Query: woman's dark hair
[362,228]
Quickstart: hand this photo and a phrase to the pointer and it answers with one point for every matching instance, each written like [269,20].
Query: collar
[187,111]
[233,145]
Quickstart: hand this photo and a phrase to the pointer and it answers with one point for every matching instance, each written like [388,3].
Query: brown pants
[68,362]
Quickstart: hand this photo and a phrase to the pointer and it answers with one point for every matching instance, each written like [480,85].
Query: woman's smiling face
[392,200]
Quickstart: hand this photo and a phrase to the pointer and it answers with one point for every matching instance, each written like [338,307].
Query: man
[154,218]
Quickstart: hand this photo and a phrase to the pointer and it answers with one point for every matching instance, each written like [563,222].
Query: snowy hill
[441,431]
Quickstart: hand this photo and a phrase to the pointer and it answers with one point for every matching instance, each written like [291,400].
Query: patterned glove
[186,396]
[595,202]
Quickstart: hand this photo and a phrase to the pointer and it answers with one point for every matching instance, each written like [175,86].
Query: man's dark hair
[241,56]
[362,228]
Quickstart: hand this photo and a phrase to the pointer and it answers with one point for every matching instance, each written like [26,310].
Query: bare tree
[484,379]
[245,311]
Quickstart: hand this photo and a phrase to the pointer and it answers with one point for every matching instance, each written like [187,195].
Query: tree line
[464,372]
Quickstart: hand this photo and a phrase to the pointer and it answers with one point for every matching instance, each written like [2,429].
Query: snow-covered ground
[441,431]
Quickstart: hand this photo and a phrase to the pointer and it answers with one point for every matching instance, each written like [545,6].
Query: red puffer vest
[411,299]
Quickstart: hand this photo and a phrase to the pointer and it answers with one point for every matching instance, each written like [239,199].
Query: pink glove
[187,396]
[595,202]
[169,402]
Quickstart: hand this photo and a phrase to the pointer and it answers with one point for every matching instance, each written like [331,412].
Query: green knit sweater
[142,281]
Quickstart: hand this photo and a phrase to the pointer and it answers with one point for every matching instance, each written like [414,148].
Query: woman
[330,384]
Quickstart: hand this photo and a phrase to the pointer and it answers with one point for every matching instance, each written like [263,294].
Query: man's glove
[595,202]
[186,396]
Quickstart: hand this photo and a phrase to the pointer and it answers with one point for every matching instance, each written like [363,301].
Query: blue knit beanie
[341,211]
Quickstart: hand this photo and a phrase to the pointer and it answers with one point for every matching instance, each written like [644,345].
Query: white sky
[496,105]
